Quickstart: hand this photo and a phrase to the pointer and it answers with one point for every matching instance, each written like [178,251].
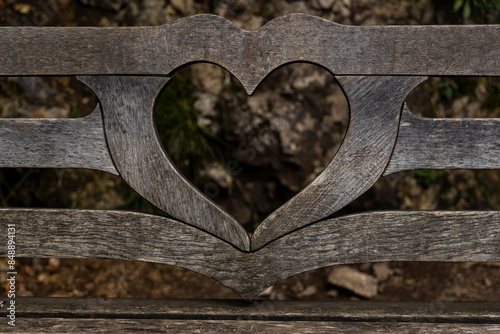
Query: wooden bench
[127,68]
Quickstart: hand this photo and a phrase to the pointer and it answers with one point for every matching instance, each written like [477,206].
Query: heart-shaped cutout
[250,154]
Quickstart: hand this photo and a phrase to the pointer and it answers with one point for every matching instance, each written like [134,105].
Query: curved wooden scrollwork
[365,237]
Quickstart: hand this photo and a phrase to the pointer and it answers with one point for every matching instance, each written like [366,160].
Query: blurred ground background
[281,138]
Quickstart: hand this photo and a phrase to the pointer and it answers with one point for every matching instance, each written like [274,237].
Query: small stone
[326,4]
[487,282]
[205,103]
[22,8]
[266,292]
[308,292]
[382,271]
[217,172]
[345,12]
[278,295]
[353,280]
[333,293]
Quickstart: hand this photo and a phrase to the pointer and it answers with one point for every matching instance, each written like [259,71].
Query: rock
[217,172]
[353,280]
[326,4]
[308,291]
[106,22]
[333,293]
[267,292]
[205,103]
[22,8]
[277,295]
[382,271]
[487,282]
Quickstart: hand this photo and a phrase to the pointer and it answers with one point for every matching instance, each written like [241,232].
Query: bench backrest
[376,67]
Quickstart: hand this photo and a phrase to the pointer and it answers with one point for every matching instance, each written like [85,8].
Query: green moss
[426,176]
[467,11]
[475,8]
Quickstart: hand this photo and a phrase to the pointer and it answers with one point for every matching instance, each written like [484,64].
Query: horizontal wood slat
[250,56]
[56,325]
[264,310]
[365,237]
[55,143]
[209,316]
[436,143]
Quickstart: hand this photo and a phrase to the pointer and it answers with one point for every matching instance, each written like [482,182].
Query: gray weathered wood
[365,237]
[263,310]
[251,56]
[433,143]
[65,143]
[57,325]
[139,156]
[116,315]
[375,108]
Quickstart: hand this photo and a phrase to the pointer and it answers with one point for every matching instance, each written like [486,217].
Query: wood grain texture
[262,310]
[375,107]
[57,325]
[139,156]
[49,315]
[205,238]
[55,143]
[433,143]
[251,56]
[365,237]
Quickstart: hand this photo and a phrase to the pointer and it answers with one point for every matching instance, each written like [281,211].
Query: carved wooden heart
[128,103]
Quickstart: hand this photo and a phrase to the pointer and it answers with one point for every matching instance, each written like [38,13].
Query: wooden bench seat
[211,316]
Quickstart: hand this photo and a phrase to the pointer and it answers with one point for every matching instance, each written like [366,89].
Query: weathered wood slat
[263,310]
[433,143]
[365,237]
[128,106]
[213,316]
[422,143]
[250,56]
[375,109]
[64,143]
[56,325]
